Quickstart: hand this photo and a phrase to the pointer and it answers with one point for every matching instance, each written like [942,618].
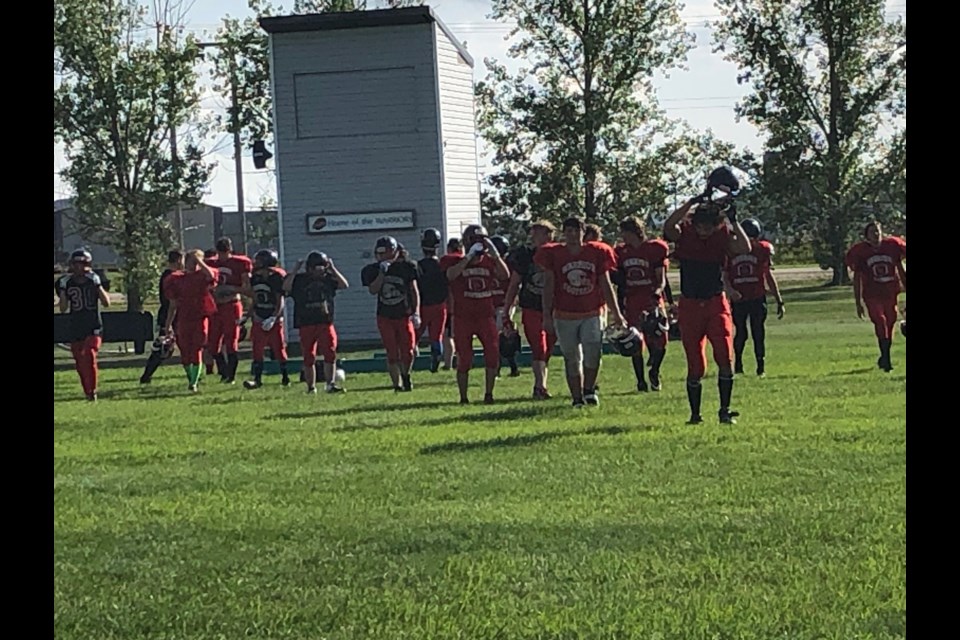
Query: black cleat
[407,384]
[464,400]
[332,388]
[655,381]
[695,419]
[252,384]
[488,398]
[727,416]
[285,381]
[642,386]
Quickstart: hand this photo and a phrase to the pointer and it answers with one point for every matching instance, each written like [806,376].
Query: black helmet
[386,243]
[626,340]
[81,255]
[723,178]
[430,239]
[317,259]
[501,244]
[751,227]
[473,234]
[266,258]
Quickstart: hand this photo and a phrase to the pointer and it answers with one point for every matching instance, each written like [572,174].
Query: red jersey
[232,269]
[638,266]
[748,272]
[877,266]
[193,293]
[473,291]
[500,292]
[576,291]
[702,261]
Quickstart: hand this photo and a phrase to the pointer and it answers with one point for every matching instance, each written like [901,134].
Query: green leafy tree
[826,77]
[117,97]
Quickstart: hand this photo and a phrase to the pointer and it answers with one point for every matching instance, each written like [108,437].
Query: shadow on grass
[348,411]
[854,372]
[519,440]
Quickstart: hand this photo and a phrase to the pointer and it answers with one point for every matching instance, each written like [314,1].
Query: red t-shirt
[748,272]
[639,265]
[576,291]
[877,266]
[473,290]
[232,269]
[194,294]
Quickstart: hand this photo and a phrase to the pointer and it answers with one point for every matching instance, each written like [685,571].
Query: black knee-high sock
[638,368]
[153,363]
[726,391]
[233,361]
[694,393]
[257,371]
[656,359]
[221,365]
[283,371]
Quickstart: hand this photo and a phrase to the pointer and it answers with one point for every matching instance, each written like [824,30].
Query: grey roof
[360,20]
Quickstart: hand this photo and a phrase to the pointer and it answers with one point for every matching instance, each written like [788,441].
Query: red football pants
[314,337]
[432,320]
[274,339]
[883,314]
[635,308]
[85,359]
[702,320]
[224,328]
[398,338]
[191,336]
[485,328]
[541,343]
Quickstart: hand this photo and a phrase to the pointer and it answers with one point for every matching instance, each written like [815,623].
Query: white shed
[374,135]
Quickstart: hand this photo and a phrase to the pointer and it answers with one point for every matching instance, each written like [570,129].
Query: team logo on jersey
[392,292]
[579,281]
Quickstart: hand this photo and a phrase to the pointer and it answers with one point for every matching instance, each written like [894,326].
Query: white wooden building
[374,135]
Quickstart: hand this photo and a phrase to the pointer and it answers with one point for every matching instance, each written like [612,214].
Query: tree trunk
[840,275]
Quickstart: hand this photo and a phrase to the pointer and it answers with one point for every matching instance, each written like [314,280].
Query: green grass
[271,514]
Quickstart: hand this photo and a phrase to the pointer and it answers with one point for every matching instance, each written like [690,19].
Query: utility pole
[173,152]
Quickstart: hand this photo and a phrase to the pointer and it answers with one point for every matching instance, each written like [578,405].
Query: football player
[313,294]
[526,284]
[473,279]
[235,273]
[266,290]
[642,263]
[163,345]
[454,247]
[81,294]
[576,288]
[393,279]
[704,240]
[191,305]
[210,257]
[434,290]
[878,279]
[750,278]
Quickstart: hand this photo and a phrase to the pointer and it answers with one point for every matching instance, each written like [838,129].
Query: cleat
[642,387]
[285,381]
[91,397]
[332,388]
[727,416]
[488,398]
[193,388]
[407,384]
[591,398]
[655,382]
[579,404]
[515,373]
[252,384]
[695,419]
[311,390]
[464,401]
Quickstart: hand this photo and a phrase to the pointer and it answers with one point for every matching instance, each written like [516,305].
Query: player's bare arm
[64,302]
[671,228]
[513,289]
[104,296]
[500,268]
[377,284]
[732,293]
[858,292]
[739,240]
[660,276]
[415,298]
[775,289]
[456,270]
[208,272]
[611,297]
[171,314]
[288,280]
[547,300]
[903,275]
[341,281]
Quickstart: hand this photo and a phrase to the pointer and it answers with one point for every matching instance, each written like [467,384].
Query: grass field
[272,514]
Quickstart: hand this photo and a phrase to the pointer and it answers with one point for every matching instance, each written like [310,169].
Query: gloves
[385,265]
[780,308]
[268,323]
[415,319]
[477,249]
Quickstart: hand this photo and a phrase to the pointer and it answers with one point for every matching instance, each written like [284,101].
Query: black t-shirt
[83,295]
[164,301]
[700,280]
[433,284]
[267,291]
[531,277]
[313,299]
[394,300]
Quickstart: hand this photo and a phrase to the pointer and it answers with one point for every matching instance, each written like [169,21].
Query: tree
[577,131]
[116,100]
[826,77]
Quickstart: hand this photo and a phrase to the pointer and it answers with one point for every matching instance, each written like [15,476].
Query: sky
[703,94]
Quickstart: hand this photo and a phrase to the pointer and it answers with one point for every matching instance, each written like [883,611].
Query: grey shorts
[581,342]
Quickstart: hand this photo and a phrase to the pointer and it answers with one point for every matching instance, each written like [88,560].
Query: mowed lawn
[272,514]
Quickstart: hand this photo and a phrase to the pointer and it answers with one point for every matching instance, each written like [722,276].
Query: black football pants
[754,313]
